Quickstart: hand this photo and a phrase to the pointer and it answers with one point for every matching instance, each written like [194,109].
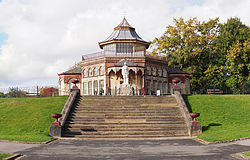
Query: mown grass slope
[28,119]
[4,155]
[223,117]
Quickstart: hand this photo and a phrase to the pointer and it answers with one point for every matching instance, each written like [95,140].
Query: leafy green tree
[190,46]
[238,67]
[233,45]
[14,92]
[231,32]
[2,95]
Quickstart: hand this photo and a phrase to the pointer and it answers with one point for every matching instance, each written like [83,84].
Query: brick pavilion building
[100,73]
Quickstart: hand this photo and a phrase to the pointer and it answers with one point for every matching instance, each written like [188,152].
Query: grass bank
[247,154]
[223,117]
[5,155]
[28,119]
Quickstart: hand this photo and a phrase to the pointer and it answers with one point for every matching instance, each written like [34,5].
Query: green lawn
[28,119]
[223,117]
[247,153]
[4,155]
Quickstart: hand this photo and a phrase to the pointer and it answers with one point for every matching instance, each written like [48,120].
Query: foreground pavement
[12,147]
[172,149]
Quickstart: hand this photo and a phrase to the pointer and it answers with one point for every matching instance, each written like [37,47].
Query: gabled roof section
[76,70]
[129,63]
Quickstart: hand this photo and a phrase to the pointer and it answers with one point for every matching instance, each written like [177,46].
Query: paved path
[11,147]
[134,150]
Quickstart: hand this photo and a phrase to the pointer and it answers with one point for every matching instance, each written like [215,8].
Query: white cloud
[46,37]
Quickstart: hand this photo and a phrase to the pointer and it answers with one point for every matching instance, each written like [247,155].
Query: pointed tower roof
[124,32]
[124,24]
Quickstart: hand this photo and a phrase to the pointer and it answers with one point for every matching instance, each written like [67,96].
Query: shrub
[14,92]
[48,91]
[2,95]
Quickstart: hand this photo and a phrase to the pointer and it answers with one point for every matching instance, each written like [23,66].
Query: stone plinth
[55,131]
[196,130]
[125,90]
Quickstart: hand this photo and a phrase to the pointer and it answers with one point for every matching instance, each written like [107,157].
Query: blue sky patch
[3,37]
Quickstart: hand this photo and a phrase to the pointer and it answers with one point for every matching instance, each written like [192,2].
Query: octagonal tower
[124,42]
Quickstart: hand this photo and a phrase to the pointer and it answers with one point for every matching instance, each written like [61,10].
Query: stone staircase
[101,117]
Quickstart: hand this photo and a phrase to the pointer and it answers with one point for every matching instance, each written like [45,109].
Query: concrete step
[125,123]
[122,121]
[125,117]
[113,111]
[128,125]
[125,101]
[80,114]
[166,132]
[125,97]
[124,136]
[119,128]
[89,117]
[115,106]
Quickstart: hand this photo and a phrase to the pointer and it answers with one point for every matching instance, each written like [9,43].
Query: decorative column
[93,88]
[98,87]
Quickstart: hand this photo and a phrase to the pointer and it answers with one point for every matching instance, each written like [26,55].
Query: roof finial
[124,24]
[124,13]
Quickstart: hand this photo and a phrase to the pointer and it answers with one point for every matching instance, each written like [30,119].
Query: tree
[190,46]
[233,44]
[48,92]
[2,95]
[238,66]
[231,32]
[14,92]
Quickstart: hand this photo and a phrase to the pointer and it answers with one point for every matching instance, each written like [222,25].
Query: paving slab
[172,149]
[12,147]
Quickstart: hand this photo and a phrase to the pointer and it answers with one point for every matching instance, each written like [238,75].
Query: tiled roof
[175,70]
[129,63]
[124,23]
[123,32]
[76,70]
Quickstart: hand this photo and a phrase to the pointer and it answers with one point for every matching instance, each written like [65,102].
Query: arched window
[154,71]
[159,72]
[164,72]
[149,71]
[90,72]
[101,70]
[95,71]
[84,73]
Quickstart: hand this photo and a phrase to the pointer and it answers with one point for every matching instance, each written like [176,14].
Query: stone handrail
[193,129]
[184,110]
[67,107]
[56,130]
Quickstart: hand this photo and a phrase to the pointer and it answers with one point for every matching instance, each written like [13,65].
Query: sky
[41,38]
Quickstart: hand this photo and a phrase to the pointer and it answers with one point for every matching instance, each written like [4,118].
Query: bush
[48,92]
[14,92]
[2,95]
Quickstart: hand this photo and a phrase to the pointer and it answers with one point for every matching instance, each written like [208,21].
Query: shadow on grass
[205,128]
[185,97]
